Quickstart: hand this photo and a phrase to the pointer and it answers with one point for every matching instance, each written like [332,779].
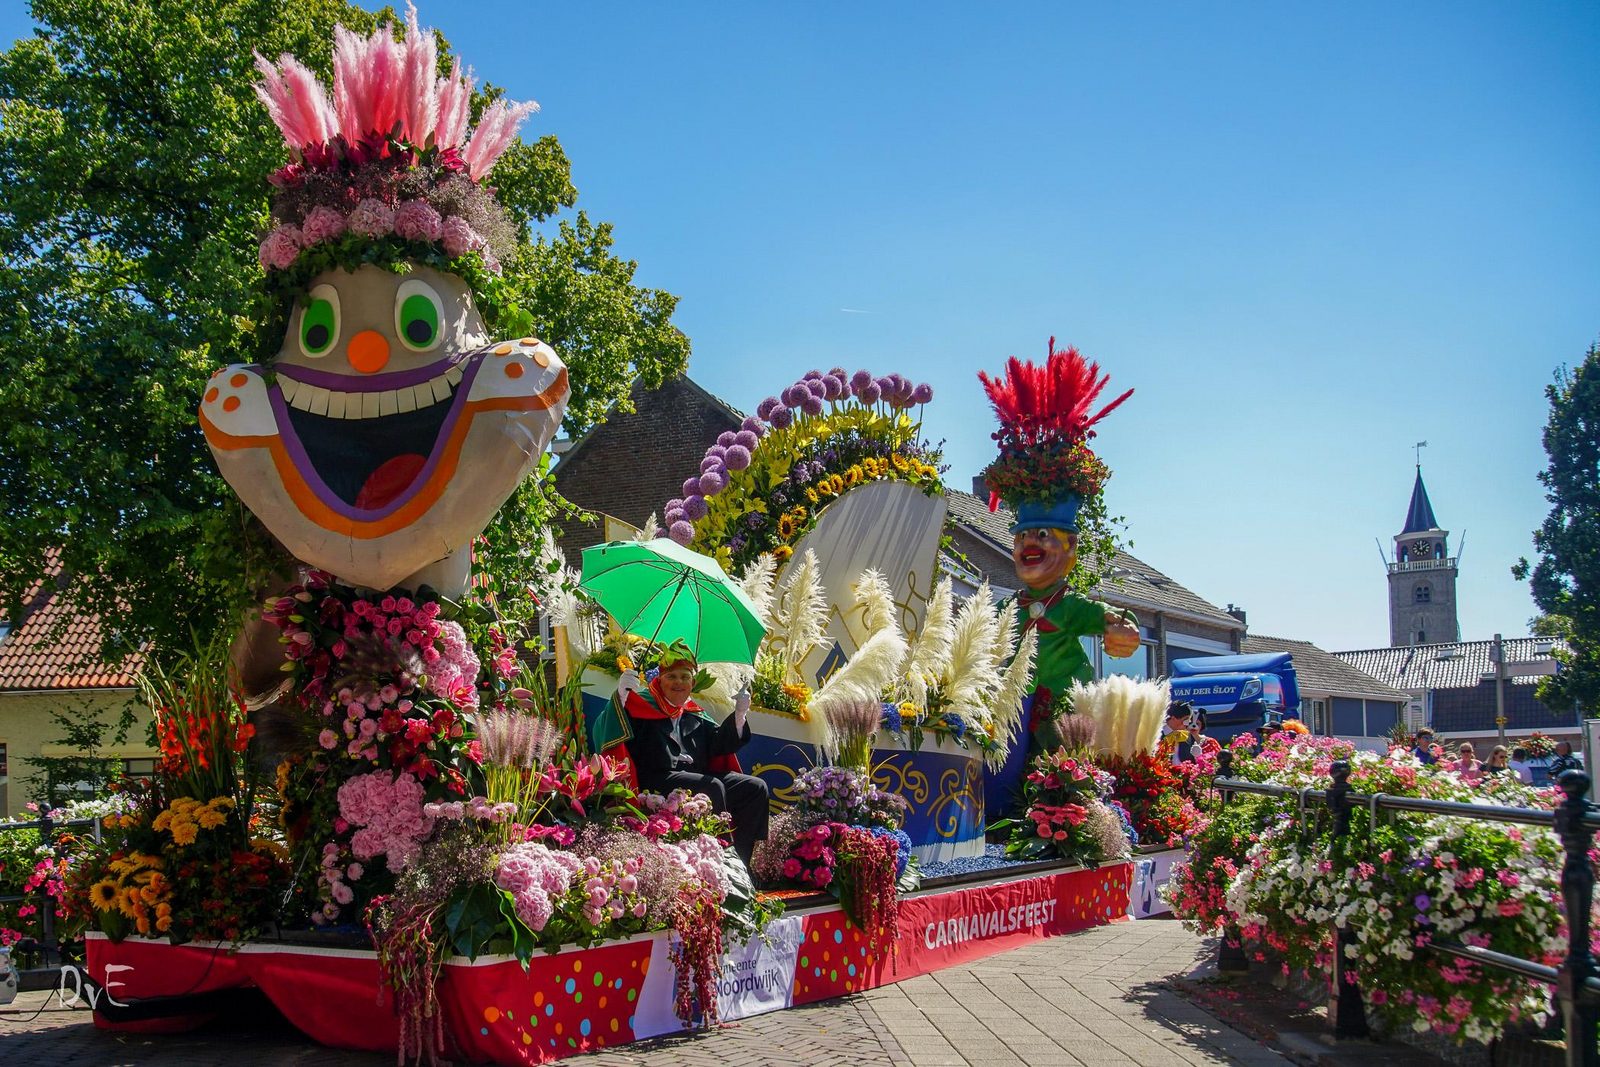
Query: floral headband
[389,157]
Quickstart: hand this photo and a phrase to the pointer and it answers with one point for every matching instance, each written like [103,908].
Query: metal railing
[1575,821]
[47,946]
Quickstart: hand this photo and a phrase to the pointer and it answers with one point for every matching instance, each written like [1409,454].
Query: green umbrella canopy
[661,591]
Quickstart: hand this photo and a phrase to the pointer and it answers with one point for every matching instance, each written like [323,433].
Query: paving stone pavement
[1094,999]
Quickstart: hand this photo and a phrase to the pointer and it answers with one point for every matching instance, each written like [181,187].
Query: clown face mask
[389,429]
[1043,557]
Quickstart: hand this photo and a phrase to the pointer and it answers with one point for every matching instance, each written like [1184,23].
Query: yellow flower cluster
[185,817]
[120,822]
[136,888]
[799,692]
[871,469]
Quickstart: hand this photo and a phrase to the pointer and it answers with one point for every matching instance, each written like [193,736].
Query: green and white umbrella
[662,592]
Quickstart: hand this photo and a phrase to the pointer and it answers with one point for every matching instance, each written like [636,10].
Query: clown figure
[1045,472]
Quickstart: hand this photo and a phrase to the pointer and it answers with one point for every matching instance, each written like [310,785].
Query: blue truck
[1238,693]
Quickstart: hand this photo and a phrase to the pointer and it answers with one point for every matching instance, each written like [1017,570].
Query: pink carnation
[281,248]
[372,218]
[416,220]
[322,224]
[459,237]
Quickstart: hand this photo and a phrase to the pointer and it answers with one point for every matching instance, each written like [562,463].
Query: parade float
[373,811]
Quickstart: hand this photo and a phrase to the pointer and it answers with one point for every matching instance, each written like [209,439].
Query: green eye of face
[416,315]
[319,325]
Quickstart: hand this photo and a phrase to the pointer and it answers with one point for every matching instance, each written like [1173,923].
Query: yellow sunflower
[103,895]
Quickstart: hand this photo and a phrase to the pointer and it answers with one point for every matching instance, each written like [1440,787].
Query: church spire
[1419,516]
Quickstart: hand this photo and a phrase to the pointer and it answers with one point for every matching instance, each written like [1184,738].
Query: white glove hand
[629,682]
[741,708]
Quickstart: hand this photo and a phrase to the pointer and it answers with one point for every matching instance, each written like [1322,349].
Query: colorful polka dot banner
[587,999]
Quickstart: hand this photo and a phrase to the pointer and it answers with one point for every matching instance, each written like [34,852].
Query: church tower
[1422,578]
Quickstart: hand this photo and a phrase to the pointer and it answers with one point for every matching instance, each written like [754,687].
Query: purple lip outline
[302,462]
[374,383]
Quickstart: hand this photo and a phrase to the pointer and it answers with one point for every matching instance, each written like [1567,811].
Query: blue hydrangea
[955,724]
[902,853]
[891,718]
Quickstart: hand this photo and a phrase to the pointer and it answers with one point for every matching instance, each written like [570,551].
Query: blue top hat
[1059,514]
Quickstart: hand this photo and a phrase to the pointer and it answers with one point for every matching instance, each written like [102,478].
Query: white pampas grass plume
[878,610]
[650,530]
[973,668]
[801,612]
[726,681]
[1127,713]
[757,582]
[1146,711]
[1015,683]
[865,675]
[931,650]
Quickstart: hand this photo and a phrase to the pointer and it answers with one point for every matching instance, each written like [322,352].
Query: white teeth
[336,404]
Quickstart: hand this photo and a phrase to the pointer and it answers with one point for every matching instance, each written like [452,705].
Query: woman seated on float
[673,743]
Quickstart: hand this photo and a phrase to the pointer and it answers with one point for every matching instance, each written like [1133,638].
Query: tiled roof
[38,655]
[1323,672]
[1460,665]
[1140,584]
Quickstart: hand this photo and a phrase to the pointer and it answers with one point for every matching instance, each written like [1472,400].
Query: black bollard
[1580,1006]
[1230,953]
[1349,1013]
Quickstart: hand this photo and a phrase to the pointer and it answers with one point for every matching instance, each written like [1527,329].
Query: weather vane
[1418,447]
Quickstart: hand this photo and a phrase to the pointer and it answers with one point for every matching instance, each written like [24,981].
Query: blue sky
[1308,237]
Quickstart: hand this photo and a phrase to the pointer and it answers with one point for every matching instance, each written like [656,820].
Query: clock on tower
[1421,549]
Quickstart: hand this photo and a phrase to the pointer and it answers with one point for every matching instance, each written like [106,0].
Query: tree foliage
[1566,577]
[133,166]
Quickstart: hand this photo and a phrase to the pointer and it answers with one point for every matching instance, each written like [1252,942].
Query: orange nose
[368,352]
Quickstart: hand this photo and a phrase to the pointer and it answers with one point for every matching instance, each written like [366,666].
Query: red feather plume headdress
[1051,402]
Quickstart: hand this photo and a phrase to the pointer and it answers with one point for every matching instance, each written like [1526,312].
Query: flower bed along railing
[37,907]
[1576,980]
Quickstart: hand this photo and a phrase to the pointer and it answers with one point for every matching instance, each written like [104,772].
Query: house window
[1423,593]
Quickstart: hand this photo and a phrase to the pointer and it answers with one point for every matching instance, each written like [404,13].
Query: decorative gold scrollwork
[781,797]
[960,792]
[896,776]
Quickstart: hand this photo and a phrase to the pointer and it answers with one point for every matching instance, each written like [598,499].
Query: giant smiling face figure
[389,429]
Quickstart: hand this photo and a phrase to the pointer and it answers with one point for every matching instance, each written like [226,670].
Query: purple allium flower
[674,515]
[923,393]
[860,378]
[765,408]
[322,223]
[782,417]
[713,482]
[812,405]
[691,488]
[738,458]
[675,502]
[372,218]
[682,533]
[871,393]
[832,388]
[280,248]
[694,509]
[746,439]
[710,463]
[459,237]
[816,388]
[725,438]
[840,373]
[753,425]
[811,376]
[885,385]
[416,220]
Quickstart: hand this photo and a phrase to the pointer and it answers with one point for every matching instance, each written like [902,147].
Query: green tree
[1566,577]
[133,165]
[85,774]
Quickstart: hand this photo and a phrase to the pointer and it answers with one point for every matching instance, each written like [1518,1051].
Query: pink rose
[322,224]
[459,237]
[416,220]
[280,248]
[372,218]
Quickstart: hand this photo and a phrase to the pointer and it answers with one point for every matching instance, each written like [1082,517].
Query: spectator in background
[1467,764]
[1519,764]
[1564,760]
[1176,743]
[1497,765]
[1424,749]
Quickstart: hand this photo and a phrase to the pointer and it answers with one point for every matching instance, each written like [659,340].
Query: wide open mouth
[372,446]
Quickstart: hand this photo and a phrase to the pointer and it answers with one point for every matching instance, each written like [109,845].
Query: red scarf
[658,706]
